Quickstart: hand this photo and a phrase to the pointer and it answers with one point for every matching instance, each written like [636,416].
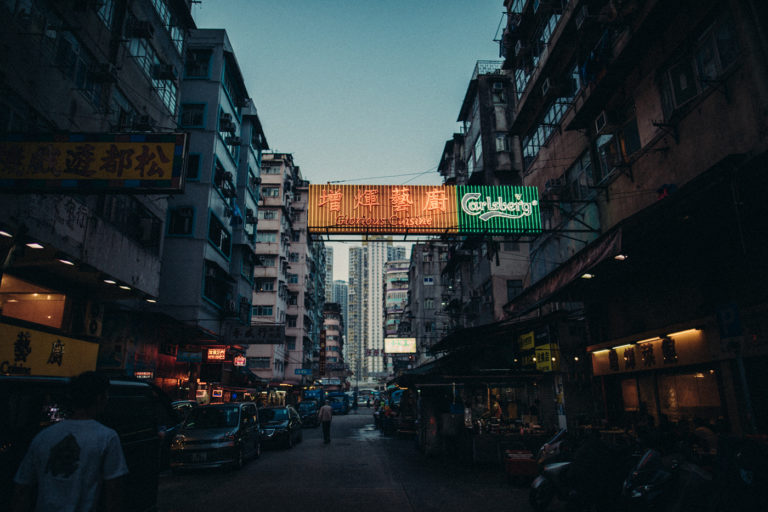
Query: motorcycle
[666,484]
[592,479]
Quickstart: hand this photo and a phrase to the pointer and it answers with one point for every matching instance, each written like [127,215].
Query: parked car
[218,435]
[308,410]
[339,403]
[139,412]
[183,407]
[281,425]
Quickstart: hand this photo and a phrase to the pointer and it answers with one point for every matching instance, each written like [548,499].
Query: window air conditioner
[163,72]
[545,86]
[604,122]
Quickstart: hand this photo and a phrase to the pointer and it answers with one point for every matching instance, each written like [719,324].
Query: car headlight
[268,432]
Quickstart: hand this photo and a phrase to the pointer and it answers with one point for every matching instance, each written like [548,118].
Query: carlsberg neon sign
[489,208]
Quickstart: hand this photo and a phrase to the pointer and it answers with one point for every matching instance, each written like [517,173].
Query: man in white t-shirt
[73,465]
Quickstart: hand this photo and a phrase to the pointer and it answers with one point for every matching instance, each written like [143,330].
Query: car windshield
[337,399]
[273,414]
[213,417]
[307,406]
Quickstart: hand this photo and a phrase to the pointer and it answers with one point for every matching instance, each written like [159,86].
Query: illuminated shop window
[26,301]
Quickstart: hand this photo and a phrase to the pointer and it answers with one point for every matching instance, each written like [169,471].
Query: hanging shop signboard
[25,351]
[667,351]
[261,334]
[400,345]
[423,209]
[128,162]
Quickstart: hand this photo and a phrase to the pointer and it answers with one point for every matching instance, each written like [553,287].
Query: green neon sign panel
[503,209]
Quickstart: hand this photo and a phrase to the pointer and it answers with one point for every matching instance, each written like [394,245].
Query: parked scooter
[557,449]
[667,484]
[591,480]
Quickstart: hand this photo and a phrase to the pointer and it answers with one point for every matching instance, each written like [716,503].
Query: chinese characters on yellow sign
[25,351]
[383,209]
[122,162]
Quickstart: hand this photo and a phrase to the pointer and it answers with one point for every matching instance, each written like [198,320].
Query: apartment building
[84,263]
[642,124]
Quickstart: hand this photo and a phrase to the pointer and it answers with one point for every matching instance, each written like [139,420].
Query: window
[197,64]
[270,191]
[290,342]
[614,149]
[429,280]
[267,214]
[478,149]
[262,310]
[502,142]
[703,65]
[266,237]
[181,220]
[266,261]
[296,236]
[258,363]
[293,278]
[293,257]
[218,236]
[193,166]
[514,288]
[270,170]
[290,321]
[293,299]
[193,115]
[429,303]
[264,285]
[498,94]
[215,285]
[78,65]
[107,12]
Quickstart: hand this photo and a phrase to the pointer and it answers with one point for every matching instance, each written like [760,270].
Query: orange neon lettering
[367,197]
[401,199]
[436,200]
[332,198]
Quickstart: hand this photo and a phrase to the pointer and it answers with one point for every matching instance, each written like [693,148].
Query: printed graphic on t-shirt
[64,457]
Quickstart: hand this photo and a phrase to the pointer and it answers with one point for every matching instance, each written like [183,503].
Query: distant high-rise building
[356,321]
[329,274]
[340,297]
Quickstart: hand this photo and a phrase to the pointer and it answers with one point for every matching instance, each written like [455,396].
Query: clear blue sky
[362,91]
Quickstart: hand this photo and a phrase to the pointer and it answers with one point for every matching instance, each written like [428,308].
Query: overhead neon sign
[381,209]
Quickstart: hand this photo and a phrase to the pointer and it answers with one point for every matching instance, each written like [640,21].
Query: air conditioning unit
[233,141]
[581,17]
[226,124]
[94,318]
[554,185]
[520,47]
[604,122]
[163,72]
[139,30]
[545,86]
[498,86]
[104,73]
[143,123]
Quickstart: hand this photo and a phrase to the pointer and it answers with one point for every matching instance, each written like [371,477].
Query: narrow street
[360,470]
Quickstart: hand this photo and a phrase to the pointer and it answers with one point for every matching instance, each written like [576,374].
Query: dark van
[140,413]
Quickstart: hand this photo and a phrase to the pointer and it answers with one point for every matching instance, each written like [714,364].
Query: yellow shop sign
[25,351]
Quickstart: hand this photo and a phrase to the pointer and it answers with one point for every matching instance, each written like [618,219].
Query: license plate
[199,457]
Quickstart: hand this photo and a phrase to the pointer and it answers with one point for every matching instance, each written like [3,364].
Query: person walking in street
[325,415]
[75,464]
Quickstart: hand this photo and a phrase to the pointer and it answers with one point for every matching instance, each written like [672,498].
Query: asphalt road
[360,470]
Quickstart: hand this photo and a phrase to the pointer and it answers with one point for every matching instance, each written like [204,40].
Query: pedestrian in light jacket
[324,415]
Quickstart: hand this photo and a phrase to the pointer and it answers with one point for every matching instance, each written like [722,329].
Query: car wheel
[239,459]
